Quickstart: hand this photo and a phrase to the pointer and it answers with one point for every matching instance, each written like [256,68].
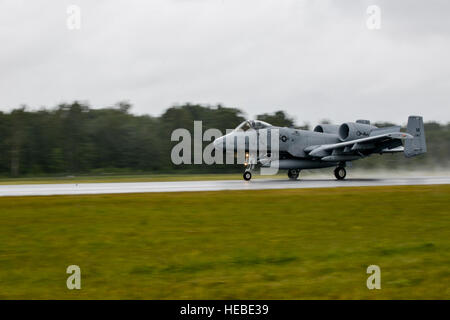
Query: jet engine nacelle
[327,128]
[351,131]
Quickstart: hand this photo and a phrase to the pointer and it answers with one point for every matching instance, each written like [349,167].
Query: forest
[78,139]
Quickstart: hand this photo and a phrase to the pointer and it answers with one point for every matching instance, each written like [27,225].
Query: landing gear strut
[293,174]
[247,175]
[340,173]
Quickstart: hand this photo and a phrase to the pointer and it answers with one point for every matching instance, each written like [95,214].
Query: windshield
[244,126]
[252,124]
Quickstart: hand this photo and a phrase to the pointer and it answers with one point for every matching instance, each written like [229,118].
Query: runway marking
[211,185]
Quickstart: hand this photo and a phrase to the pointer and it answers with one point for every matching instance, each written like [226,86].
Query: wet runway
[179,186]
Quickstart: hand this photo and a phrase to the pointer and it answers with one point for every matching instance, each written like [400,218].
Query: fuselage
[290,148]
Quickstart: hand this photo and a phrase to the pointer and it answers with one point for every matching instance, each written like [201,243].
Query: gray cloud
[314,59]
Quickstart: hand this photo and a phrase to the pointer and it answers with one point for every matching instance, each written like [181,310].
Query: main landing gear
[293,174]
[340,173]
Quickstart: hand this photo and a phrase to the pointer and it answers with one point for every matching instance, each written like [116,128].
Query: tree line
[77,139]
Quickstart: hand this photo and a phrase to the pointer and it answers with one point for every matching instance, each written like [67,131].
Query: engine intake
[327,128]
[351,131]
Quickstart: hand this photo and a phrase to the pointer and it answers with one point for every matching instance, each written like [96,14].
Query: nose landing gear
[247,175]
[249,165]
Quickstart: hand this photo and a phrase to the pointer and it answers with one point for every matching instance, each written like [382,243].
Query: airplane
[328,145]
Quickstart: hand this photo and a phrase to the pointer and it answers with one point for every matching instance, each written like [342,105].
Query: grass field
[135,178]
[274,244]
[124,178]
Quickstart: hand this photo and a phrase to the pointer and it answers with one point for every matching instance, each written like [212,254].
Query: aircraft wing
[380,142]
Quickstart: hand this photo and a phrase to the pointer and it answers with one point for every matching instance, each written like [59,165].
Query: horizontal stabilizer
[394,150]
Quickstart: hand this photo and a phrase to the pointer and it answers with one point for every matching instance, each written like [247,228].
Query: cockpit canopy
[252,124]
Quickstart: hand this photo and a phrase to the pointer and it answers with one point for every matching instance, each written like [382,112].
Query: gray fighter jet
[327,145]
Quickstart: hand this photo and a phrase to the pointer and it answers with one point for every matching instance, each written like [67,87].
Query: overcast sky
[315,59]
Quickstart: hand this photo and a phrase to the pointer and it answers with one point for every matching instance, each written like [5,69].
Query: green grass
[131,178]
[269,244]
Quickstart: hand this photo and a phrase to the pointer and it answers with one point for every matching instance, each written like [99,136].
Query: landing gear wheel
[340,173]
[247,175]
[293,174]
